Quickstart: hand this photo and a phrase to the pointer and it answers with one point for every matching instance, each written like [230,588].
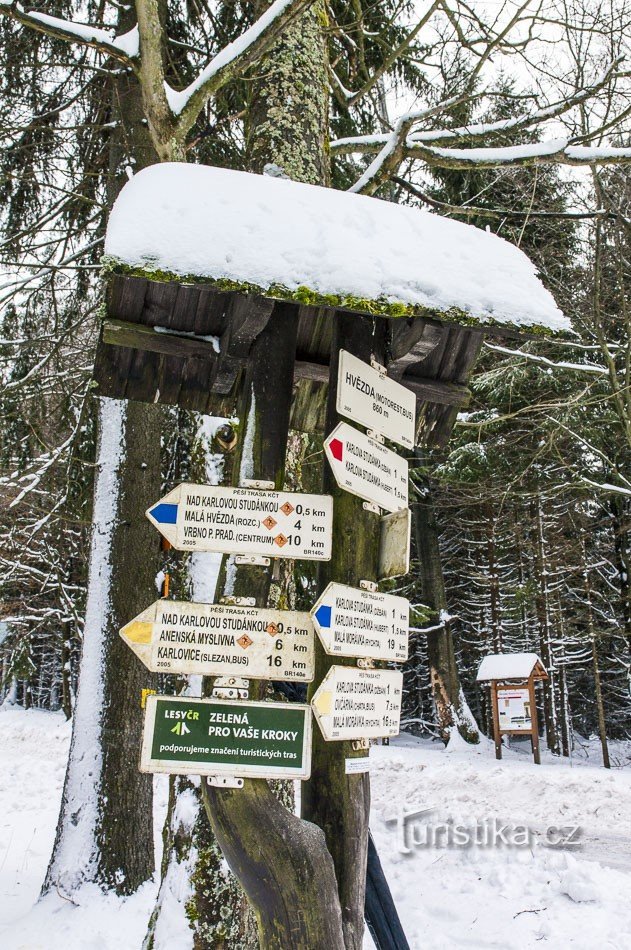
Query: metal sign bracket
[368,506]
[358,744]
[369,585]
[224,781]
[261,483]
[255,560]
[378,366]
[231,687]
[365,663]
[238,601]
[377,436]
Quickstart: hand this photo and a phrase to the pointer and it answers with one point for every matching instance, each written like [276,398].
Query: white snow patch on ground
[476,897]
[218,223]
[33,756]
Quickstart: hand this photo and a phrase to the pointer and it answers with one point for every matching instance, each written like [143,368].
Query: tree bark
[450,705]
[337,802]
[104,833]
[280,860]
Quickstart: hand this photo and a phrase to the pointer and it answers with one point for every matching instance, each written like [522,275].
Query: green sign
[220,737]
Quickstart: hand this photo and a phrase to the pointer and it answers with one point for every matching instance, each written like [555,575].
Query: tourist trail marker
[246,521]
[218,737]
[218,640]
[374,400]
[366,468]
[358,704]
[352,622]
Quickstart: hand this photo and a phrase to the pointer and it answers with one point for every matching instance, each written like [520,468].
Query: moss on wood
[379,307]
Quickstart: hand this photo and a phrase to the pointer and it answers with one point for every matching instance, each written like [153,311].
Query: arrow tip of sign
[323,615]
[163,513]
[337,449]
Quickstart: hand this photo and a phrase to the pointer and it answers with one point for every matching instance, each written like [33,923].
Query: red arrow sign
[337,449]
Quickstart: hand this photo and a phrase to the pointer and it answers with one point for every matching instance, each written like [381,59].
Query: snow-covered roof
[315,245]
[508,666]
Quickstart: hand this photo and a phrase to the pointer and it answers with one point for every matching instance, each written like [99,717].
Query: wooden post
[496,720]
[337,802]
[535,724]
[281,862]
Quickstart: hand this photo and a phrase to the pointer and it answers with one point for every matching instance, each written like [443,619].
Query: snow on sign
[366,468]
[219,737]
[375,401]
[358,704]
[218,640]
[352,622]
[514,709]
[246,521]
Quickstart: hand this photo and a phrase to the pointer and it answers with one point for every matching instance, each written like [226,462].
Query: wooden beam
[411,341]
[149,339]
[426,390]
[437,391]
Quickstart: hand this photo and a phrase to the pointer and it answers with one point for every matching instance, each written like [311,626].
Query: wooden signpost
[512,677]
[366,468]
[368,396]
[219,640]
[362,623]
[358,704]
[213,737]
[245,521]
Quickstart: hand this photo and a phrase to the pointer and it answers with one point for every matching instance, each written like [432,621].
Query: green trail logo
[180,729]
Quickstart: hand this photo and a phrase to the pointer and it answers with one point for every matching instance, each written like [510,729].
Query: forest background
[528,512]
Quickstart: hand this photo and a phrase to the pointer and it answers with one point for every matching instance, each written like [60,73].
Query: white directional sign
[376,401]
[358,704]
[352,622]
[172,636]
[366,468]
[246,521]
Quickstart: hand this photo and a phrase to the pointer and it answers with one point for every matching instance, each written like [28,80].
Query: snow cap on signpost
[199,258]
[288,240]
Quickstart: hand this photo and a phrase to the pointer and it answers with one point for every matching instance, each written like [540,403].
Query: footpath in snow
[426,803]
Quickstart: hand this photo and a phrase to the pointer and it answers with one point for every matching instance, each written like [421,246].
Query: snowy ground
[480,896]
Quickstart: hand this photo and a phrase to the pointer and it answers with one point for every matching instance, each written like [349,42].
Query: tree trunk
[280,860]
[337,802]
[544,621]
[104,832]
[288,113]
[591,629]
[450,704]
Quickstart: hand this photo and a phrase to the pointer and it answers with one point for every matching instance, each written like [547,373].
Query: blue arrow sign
[164,514]
[323,615]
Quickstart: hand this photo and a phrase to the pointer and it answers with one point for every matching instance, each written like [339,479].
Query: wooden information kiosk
[512,677]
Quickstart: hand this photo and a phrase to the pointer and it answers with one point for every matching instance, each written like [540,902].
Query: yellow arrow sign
[175,636]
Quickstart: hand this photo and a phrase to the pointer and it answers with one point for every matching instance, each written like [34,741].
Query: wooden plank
[120,333]
[426,390]
[126,297]
[414,336]
[437,391]
[247,318]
